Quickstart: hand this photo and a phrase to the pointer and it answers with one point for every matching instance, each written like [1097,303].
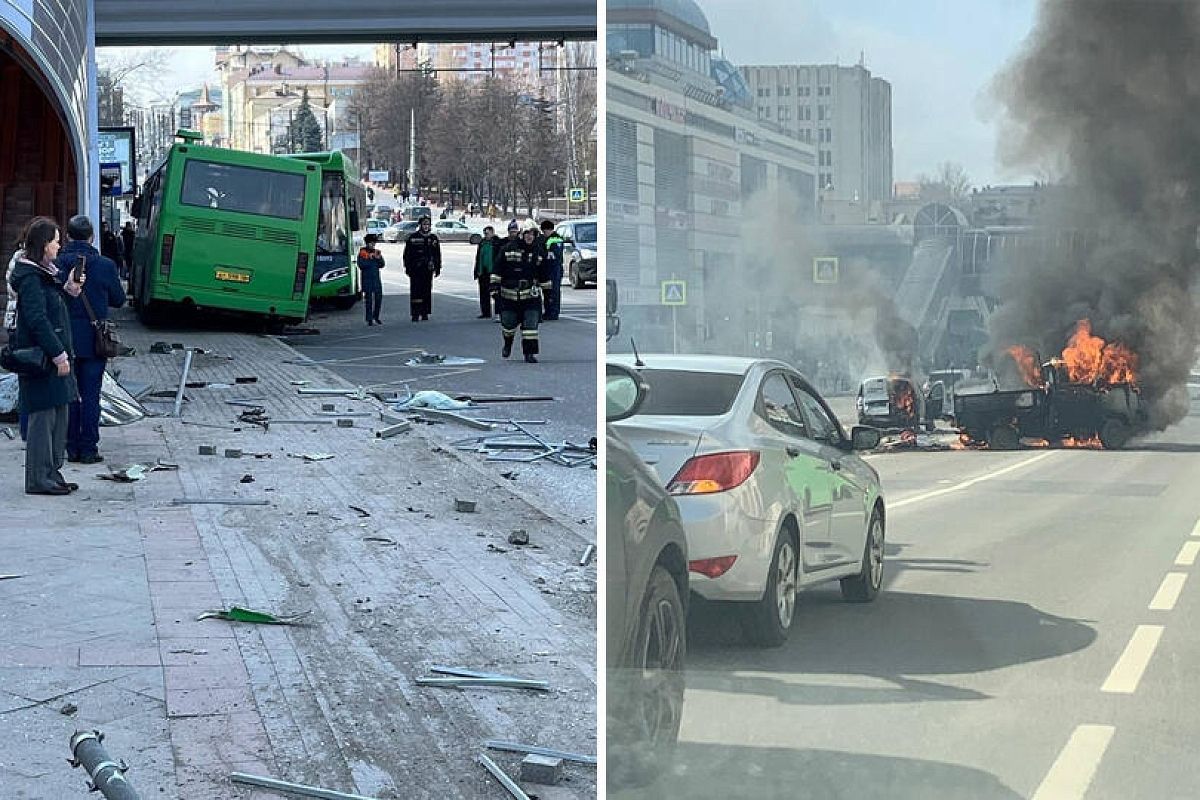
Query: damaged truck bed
[1056,410]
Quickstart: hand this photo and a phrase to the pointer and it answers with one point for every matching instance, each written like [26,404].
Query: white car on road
[772,496]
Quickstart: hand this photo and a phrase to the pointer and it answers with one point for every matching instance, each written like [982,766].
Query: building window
[767,112]
[766,92]
[826,134]
[826,158]
[805,91]
[785,113]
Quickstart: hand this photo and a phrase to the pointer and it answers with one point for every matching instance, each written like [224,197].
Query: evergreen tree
[305,132]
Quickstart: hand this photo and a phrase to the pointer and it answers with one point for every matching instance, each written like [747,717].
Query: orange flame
[1092,443]
[1027,364]
[1090,359]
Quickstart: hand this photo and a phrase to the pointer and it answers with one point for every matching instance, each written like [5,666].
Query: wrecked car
[892,401]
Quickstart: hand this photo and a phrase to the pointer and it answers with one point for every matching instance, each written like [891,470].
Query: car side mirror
[864,438]
[624,392]
[610,295]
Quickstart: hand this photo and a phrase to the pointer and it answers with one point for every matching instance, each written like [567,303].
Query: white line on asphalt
[1168,592]
[1073,770]
[1187,554]
[1130,667]
[968,483]
[1196,528]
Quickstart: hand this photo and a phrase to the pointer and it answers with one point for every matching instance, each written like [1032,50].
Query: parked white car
[451,230]
[772,496]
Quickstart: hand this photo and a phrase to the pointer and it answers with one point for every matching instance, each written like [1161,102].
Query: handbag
[29,361]
[107,343]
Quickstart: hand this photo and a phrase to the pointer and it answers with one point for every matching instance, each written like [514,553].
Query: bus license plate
[233,276]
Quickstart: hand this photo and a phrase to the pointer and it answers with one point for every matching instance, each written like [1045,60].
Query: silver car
[772,497]
[451,230]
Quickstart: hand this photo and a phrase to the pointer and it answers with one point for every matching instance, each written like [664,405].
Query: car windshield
[585,233]
[685,393]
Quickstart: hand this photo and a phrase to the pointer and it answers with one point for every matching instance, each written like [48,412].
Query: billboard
[116,147]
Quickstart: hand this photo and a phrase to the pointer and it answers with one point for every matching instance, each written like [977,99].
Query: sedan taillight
[714,472]
[712,567]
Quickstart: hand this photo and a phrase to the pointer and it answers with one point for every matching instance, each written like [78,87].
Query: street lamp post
[587,191]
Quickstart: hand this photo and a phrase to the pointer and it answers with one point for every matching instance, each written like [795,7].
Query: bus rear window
[248,190]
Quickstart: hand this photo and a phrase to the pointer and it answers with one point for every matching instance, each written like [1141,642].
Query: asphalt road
[1037,637]
[375,357]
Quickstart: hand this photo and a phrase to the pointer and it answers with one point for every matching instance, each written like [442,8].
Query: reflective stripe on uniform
[529,334]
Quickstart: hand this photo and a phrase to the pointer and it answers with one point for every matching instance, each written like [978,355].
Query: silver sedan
[772,496]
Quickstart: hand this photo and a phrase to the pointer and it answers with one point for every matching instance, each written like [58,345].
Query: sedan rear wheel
[864,587]
[771,617]
[577,281]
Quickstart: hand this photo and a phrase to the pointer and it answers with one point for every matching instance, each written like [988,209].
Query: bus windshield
[249,190]
[332,225]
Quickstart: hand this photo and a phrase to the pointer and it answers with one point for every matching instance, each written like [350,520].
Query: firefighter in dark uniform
[422,263]
[552,245]
[521,276]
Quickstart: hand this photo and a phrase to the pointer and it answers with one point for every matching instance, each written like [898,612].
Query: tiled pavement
[114,576]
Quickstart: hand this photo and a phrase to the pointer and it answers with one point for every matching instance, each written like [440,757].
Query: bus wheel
[148,314]
[345,302]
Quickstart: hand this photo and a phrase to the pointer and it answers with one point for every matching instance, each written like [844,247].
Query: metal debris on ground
[69,710]
[218,501]
[161,348]
[516,747]
[8,434]
[439,360]
[362,512]
[519,537]
[498,682]
[312,456]
[524,446]
[208,450]
[357,394]
[107,776]
[135,472]
[246,379]
[439,415]
[117,405]
[501,776]
[380,540]
[10,577]
[237,614]
[299,383]
[187,367]
[256,416]
[233,452]
[586,558]
[293,788]
[247,479]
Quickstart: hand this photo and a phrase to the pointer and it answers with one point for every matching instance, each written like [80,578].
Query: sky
[940,57]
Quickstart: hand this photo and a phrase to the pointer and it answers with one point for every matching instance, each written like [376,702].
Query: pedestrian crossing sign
[674,293]
[578,195]
[825,269]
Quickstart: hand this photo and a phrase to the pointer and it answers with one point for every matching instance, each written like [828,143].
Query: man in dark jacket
[103,290]
[486,255]
[552,245]
[521,277]
[127,237]
[422,263]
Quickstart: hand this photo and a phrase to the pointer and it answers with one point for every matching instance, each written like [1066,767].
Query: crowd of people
[520,277]
[56,296]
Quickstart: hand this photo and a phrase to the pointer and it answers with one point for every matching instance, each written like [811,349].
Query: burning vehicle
[892,401]
[1088,396]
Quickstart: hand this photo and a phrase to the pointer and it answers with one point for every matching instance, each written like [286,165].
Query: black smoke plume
[1108,92]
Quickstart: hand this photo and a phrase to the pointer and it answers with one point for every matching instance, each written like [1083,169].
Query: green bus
[223,230]
[342,212]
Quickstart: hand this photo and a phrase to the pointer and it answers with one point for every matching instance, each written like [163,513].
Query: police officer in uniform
[521,277]
[552,245]
[422,263]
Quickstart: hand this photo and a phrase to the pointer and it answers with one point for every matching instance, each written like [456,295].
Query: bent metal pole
[108,777]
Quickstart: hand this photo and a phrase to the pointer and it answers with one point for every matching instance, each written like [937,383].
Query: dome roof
[686,11]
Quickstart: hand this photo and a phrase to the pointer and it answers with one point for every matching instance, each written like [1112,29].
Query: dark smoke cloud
[1108,91]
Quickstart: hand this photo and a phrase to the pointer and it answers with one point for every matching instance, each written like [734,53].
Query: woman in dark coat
[42,322]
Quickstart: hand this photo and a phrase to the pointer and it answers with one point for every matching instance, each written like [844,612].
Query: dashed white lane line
[1196,528]
[1073,770]
[1187,554]
[1130,667]
[920,498]
[1168,592]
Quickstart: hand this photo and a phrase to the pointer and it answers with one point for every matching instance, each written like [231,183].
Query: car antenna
[637,359]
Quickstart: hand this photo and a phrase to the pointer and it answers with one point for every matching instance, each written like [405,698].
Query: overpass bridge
[49,160]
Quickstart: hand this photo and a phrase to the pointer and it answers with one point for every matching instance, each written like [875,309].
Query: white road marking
[920,498]
[1168,592]
[1196,528]
[1187,554]
[1132,664]
[1073,770]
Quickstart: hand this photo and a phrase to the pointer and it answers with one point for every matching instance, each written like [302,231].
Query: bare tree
[951,183]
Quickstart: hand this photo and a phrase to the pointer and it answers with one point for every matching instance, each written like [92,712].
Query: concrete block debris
[246,479]
[328,407]
[311,456]
[541,769]
[161,348]
[502,776]
[135,472]
[233,452]
[519,537]
[393,430]
[297,789]
[246,379]
[517,747]
[238,614]
[345,423]
[208,450]
[464,506]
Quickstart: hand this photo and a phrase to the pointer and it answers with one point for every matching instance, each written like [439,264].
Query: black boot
[530,358]
[507,351]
